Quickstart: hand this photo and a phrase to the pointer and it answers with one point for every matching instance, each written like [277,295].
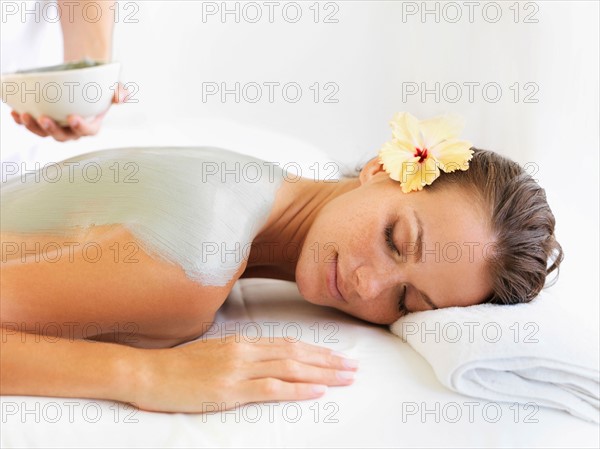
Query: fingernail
[74,122]
[319,389]
[345,375]
[350,363]
[45,124]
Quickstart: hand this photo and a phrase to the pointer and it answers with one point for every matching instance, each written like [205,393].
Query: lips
[333,281]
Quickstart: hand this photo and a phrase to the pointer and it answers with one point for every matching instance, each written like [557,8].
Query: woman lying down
[158,236]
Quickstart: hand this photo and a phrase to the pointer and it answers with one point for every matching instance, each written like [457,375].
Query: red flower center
[421,154]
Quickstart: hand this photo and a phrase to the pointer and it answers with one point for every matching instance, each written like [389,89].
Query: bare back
[130,264]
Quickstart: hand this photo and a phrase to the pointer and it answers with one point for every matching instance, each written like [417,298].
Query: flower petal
[411,185]
[421,174]
[393,155]
[405,127]
[438,129]
[453,154]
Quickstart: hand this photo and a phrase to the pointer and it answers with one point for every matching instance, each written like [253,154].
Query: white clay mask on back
[197,207]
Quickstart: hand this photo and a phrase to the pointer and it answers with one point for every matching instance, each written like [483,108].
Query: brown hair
[520,220]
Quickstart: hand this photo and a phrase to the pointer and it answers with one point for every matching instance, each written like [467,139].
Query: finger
[59,133]
[17,117]
[280,348]
[82,128]
[270,389]
[122,94]
[33,126]
[287,342]
[293,371]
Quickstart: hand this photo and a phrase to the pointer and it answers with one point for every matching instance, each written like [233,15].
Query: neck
[276,248]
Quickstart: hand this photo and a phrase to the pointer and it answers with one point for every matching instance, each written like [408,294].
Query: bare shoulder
[101,284]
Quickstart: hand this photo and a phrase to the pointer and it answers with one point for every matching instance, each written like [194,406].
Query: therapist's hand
[78,127]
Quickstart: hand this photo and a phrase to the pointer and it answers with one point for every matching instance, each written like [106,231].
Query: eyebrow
[419,254]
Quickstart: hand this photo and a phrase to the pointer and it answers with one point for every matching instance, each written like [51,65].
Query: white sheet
[368,413]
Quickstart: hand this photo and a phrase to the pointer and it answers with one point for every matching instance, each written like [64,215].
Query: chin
[309,296]
[300,283]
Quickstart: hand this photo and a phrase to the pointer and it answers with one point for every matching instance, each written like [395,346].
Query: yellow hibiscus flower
[419,149]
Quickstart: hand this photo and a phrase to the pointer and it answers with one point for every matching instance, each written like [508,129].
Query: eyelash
[388,239]
[401,306]
[390,243]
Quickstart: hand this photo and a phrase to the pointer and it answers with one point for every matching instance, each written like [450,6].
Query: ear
[372,168]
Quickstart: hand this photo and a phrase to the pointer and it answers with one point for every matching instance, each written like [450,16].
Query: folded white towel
[540,352]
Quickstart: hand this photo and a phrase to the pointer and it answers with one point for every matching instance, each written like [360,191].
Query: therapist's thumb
[120,94]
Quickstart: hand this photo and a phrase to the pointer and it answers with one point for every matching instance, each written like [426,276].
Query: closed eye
[402,303]
[389,231]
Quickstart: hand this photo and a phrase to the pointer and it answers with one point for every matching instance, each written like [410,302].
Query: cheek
[308,272]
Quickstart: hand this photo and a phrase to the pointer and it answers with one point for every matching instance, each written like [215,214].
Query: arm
[82,38]
[38,365]
[203,376]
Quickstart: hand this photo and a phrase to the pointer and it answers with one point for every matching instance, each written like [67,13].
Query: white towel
[540,352]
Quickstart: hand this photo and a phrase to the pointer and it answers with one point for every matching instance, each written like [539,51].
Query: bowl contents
[82,64]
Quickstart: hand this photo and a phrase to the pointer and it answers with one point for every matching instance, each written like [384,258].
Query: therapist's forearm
[84,34]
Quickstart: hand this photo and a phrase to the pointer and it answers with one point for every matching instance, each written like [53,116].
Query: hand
[210,375]
[78,127]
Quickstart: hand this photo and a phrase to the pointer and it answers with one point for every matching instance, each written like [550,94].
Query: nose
[370,283]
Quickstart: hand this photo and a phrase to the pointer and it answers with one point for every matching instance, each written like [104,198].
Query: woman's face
[349,259]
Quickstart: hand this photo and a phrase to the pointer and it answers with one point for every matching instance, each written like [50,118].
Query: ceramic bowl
[85,88]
